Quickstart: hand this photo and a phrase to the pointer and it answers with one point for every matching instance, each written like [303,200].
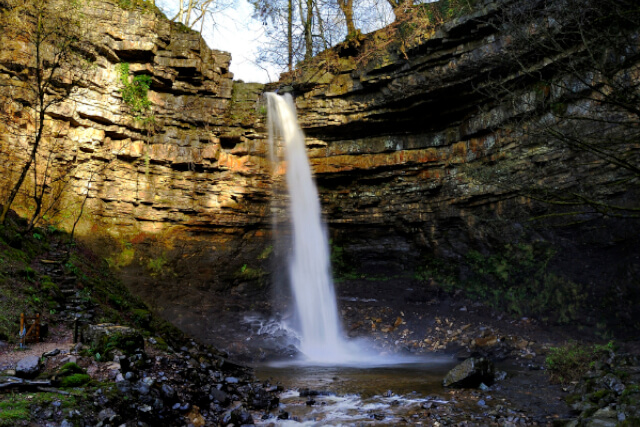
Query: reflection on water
[350,395]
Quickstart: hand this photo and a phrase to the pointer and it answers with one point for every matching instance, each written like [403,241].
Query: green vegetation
[248,273]
[135,93]
[69,369]
[571,361]
[516,279]
[342,265]
[15,408]
[266,252]
[24,289]
[145,5]
[157,265]
[75,380]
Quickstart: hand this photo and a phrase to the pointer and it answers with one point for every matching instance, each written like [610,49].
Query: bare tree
[49,31]
[571,72]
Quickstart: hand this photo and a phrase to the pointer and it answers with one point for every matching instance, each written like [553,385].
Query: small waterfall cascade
[309,265]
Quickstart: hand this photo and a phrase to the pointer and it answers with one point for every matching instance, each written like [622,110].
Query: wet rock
[195,417]
[605,417]
[28,367]
[306,392]
[107,414]
[51,353]
[261,399]
[219,396]
[168,392]
[237,417]
[470,374]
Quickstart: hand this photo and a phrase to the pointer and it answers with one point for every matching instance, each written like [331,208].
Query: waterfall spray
[309,266]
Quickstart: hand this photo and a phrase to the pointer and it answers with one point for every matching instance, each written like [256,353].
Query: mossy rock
[107,337]
[70,369]
[75,380]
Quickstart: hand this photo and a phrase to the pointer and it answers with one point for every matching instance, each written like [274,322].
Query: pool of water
[356,395]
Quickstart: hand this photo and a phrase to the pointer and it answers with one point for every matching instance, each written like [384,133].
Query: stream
[356,395]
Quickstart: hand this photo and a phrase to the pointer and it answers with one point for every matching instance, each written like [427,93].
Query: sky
[234,31]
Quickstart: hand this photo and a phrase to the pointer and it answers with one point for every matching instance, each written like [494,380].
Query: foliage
[516,279]
[157,265]
[571,361]
[249,273]
[135,92]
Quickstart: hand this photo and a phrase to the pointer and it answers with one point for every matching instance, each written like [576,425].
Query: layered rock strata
[399,145]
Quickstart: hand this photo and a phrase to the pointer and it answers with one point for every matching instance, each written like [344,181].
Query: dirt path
[59,337]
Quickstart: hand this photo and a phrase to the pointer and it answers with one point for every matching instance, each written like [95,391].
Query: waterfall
[309,265]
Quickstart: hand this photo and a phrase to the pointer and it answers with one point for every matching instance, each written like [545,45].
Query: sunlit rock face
[183,204]
[196,168]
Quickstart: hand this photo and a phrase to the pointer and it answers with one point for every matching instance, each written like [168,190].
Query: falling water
[309,266]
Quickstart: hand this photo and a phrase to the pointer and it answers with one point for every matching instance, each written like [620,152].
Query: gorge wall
[401,146]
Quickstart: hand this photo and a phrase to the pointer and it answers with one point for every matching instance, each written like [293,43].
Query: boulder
[28,367]
[470,374]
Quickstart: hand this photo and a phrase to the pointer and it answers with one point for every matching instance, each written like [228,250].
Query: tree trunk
[308,37]
[290,35]
[346,6]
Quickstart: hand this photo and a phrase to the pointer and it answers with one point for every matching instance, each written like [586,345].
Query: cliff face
[399,146]
[194,167]
[433,150]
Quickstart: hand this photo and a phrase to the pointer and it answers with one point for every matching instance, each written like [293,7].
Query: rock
[237,417]
[107,337]
[195,418]
[470,373]
[168,392]
[219,396]
[107,414]
[51,353]
[605,417]
[28,367]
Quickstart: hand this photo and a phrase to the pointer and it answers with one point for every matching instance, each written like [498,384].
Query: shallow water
[352,395]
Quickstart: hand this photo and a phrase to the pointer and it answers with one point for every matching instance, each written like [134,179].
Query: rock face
[188,180]
[182,203]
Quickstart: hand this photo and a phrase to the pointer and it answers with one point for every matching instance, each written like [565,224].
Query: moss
[143,5]
[16,407]
[597,396]
[70,368]
[75,380]
[127,343]
[10,415]
[573,398]
[266,252]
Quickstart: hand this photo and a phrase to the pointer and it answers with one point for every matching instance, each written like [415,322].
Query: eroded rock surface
[182,203]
